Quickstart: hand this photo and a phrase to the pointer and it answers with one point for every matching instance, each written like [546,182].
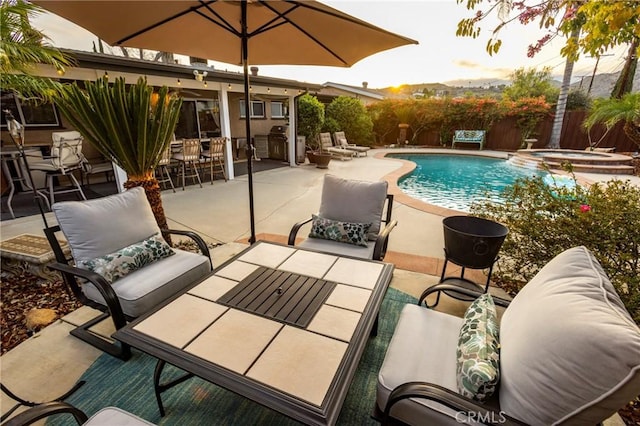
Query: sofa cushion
[342,232]
[478,369]
[145,288]
[93,229]
[354,201]
[114,266]
[570,351]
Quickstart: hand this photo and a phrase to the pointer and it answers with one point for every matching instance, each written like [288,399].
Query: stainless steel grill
[278,145]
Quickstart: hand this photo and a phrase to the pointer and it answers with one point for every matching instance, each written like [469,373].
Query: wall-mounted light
[179,82]
[229,86]
[60,71]
[205,84]
[199,76]
[285,91]
[268,89]
[250,88]
[106,75]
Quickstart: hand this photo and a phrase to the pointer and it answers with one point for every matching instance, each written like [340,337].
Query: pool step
[614,169]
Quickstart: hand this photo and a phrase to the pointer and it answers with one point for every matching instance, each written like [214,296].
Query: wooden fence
[505,135]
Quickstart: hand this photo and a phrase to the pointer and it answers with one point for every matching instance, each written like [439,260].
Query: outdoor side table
[29,253]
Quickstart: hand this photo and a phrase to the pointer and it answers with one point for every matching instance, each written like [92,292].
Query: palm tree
[22,48]
[612,111]
[130,126]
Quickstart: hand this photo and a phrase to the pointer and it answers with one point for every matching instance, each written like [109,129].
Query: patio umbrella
[243,32]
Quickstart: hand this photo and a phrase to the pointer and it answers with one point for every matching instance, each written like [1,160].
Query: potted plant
[310,119]
[129,125]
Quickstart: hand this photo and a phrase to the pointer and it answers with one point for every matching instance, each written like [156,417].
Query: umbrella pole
[247,117]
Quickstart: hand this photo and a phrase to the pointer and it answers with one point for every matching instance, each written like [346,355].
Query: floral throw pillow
[344,232]
[116,265]
[477,368]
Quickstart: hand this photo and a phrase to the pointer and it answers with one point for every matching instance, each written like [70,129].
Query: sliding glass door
[199,118]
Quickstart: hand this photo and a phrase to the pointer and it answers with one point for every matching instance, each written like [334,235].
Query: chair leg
[74,181]
[196,175]
[165,170]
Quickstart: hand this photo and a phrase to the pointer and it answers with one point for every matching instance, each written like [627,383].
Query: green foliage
[22,48]
[310,117]
[385,121]
[131,125]
[331,125]
[578,100]
[352,118]
[531,83]
[528,112]
[611,111]
[604,24]
[544,221]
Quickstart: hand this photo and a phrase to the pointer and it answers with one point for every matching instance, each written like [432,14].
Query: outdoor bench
[468,136]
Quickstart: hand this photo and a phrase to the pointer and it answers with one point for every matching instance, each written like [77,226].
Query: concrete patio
[49,363]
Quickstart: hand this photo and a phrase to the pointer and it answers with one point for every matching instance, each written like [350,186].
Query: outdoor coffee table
[282,326]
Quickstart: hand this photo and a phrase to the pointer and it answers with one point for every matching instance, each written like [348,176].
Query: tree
[352,118]
[130,126]
[531,83]
[611,111]
[22,48]
[605,24]
[310,117]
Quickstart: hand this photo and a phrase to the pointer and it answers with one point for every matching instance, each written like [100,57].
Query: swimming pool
[456,181]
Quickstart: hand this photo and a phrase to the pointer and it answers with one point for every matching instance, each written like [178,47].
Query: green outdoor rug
[129,385]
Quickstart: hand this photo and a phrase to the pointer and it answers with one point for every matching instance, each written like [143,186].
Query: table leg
[161,387]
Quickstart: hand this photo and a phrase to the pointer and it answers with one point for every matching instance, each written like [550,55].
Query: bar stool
[162,169]
[215,156]
[189,156]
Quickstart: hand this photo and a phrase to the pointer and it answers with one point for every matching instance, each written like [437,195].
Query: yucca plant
[611,111]
[129,125]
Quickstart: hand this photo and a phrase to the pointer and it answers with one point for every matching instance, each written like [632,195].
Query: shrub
[310,117]
[545,220]
[352,119]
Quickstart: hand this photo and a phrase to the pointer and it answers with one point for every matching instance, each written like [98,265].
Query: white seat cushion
[111,416]
[145,288]
[422,349]
[570,351]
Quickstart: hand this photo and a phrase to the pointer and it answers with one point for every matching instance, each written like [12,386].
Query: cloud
[463,63]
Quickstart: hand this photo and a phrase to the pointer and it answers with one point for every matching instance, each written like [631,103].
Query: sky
[440,56]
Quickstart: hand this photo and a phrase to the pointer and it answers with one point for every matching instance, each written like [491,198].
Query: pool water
[457,181]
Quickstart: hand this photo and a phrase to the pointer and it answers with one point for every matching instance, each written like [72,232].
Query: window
[198,119]
[29,113]
[257,109]
[278,110]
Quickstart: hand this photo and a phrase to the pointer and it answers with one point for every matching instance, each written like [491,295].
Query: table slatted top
[284,296]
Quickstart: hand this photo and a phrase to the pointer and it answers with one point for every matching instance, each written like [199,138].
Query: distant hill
[603,84]
[601,87]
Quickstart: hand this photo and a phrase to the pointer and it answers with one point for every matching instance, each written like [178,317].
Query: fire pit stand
[469,242]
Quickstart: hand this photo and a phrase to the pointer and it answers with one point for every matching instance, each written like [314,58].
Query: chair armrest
[380,249]
[460,290]
[294,231]
[101,283]
[196,238]
[46,409]
[465,406]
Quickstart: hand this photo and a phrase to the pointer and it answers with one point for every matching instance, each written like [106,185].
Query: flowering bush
[529,112]
[544,221]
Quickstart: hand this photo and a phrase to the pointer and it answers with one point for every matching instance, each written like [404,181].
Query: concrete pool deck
[50,362]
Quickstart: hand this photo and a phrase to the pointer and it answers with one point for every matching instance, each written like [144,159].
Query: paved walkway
[51,362]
